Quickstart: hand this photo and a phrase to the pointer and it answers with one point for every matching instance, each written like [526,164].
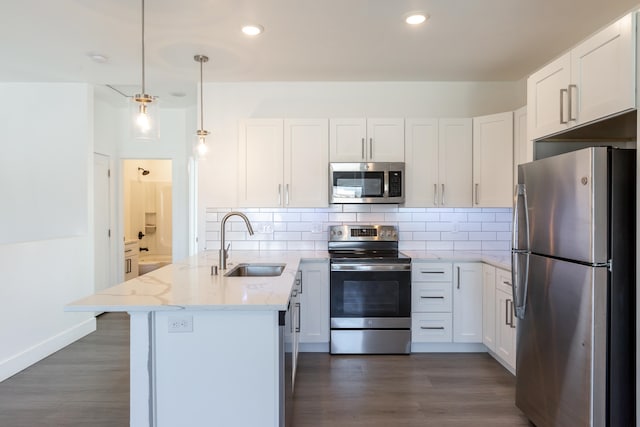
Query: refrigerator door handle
[519,289]
[520,193]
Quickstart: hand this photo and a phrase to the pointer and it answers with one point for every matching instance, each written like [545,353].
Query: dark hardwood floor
[87,383]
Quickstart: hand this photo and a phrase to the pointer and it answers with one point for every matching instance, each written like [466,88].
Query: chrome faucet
[224,252]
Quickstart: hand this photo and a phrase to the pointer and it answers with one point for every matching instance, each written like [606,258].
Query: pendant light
[144,107]
[201,133]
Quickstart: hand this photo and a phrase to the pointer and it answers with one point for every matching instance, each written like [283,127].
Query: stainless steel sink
[256,270]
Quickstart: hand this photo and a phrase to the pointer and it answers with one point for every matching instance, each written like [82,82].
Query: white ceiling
[304,40]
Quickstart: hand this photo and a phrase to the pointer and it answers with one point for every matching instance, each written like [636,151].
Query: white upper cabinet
[438,162]
[594,80]
[260,163]
[306,163]
[283,163]
[493,160]
[522,145]
[366,140]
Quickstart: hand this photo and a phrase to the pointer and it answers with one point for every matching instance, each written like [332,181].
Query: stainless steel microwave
[378,182]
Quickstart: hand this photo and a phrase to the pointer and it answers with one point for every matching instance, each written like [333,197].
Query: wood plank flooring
[87,383]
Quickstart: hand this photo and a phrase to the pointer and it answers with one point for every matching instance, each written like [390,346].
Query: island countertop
[189,285]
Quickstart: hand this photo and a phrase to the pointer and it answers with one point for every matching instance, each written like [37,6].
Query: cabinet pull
[443,195]
[300,283]
[299,316]
[128,266]
[513,321]
[569,92]
[477,197]
[286,194]
[128,250]
[371,148]
[506,312]
[562,120]
[432,271]
[433,327]
[458,276]
[507,283]
[362,148]
[435,194]
[279,194]
[432,297]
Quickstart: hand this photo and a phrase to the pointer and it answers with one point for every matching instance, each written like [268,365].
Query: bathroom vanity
[204,346]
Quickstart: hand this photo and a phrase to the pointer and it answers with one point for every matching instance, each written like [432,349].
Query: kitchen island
[205,349]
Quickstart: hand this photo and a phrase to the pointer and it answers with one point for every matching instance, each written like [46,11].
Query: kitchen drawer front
[431,271]
[431,327]
[431,297]
[503,280]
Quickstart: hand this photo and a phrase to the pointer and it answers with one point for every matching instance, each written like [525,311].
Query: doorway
[147,196]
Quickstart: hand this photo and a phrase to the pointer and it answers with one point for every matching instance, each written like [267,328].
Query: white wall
[226,103]
[46,142]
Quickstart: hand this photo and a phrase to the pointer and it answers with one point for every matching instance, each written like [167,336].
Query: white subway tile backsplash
[370,218]
[439,246]
[342,217]
[431,229]
[482,235]
[397,217]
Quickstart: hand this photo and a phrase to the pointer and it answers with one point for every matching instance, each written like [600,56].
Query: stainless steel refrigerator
[574,288]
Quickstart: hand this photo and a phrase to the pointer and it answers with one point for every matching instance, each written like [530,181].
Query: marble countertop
[189,285]
[500,259]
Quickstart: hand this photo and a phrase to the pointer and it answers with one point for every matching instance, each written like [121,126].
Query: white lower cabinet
[499,321]
[446,305]
[431,327]
[314,302]
[467,302]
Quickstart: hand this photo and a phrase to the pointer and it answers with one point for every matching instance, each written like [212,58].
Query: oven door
[370,295]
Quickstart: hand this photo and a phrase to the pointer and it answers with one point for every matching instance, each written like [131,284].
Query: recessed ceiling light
[97,57]
[252,30]
[416,18]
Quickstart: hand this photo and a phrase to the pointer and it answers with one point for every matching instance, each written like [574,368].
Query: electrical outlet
[182,323]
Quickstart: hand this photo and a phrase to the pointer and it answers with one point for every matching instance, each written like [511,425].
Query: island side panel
[223,372]
[141,369]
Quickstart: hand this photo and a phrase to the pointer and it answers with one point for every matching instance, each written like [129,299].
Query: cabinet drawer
[434,297]
[431,271]
[503,280]
[431,327]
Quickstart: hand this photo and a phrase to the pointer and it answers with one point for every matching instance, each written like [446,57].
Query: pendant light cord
[201,99]
[143,91]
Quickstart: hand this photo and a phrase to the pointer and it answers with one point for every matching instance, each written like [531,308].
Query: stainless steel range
[370,291]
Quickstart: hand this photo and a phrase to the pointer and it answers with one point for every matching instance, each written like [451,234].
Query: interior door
[102,221]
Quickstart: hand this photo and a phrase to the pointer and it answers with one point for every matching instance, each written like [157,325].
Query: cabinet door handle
[286,194]
[299,316]
[363,149]
[570,101]
[433,327]
[507,283]
[435,194]
[432,297]
[562,93]
[513,321]
[371,148]
[458,276]
[279,194]
[443,195]
[300,283]
[506,312]
[477,196]
[432,271]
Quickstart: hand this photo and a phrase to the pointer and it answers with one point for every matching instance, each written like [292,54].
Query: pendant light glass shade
[144,107]
[201,147]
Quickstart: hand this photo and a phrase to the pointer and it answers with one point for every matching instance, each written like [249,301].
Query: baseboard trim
[11,366]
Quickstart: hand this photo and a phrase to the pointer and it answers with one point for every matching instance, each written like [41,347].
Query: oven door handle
[370,267]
